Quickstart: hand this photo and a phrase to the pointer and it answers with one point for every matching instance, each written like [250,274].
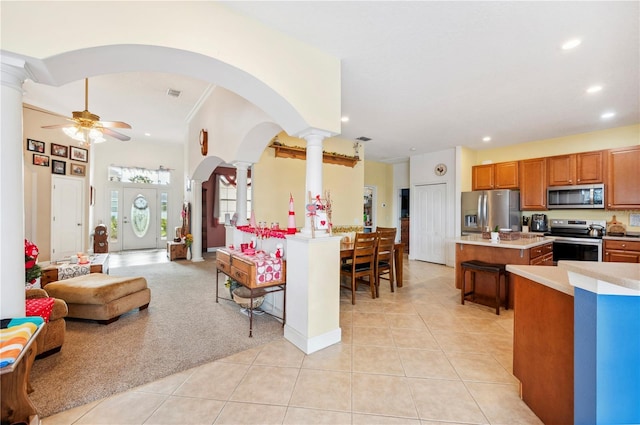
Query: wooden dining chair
[362,264]
[385,256]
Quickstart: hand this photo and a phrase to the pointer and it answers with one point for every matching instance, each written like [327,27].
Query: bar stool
[497,270]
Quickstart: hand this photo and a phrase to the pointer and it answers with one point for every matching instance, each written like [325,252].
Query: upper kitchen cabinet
[623,178]
[580,168]
[503,175]
[533,187]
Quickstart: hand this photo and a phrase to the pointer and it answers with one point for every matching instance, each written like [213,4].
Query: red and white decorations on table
[291,227]
[319,210]
[268,269]
[32,270]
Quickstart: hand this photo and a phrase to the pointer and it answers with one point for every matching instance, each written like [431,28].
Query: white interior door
[431,222]
[67,216]
[139,218]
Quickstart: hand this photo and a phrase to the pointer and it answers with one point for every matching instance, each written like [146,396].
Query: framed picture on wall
[78,170]
[35,146]
[42,160]
[59,150]
[79,154]
[58,167]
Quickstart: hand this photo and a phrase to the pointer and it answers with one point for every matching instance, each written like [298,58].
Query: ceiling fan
[87,127]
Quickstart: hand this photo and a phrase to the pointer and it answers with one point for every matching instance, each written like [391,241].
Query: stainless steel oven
[577,249]
[571,240]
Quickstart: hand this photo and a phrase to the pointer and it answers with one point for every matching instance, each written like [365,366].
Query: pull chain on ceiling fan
[87,127]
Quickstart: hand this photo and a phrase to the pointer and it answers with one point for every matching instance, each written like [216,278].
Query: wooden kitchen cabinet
[541,255]
[620,251]
[580,168]
[533,184]
[503,175]
[623,178]
[482,177]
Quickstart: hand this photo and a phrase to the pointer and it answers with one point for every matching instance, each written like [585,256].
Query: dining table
[346,252]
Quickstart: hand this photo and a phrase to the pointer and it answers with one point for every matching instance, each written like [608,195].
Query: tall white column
[313,185]
[241,192]
[196,220]
[12,278]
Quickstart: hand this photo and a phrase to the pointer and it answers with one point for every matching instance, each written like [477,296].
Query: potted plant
[495,235]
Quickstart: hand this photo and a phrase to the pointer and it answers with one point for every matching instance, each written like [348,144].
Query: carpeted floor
[182,328]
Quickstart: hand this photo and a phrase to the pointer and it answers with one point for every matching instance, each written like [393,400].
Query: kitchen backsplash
[586,214]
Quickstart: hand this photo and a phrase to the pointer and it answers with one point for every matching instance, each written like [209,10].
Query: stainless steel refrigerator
[484,209]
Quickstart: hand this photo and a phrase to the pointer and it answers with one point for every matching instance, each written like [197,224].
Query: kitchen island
[537,250]
[543,347]
[577,340]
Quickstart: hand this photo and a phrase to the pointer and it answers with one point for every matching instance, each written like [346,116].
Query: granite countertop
[625,275]
[522,243]
[553,277]
[628,237]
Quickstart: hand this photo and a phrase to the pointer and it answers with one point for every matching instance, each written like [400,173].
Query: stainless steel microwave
[578,196]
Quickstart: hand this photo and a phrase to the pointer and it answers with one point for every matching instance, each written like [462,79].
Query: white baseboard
[311,345]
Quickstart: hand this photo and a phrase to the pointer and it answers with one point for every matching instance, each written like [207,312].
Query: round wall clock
[440,170]
[204,136]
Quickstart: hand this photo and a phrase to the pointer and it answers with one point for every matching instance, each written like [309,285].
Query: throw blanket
[40,307]
[14,336]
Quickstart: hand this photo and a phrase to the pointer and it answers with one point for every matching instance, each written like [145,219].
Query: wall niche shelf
[295,152]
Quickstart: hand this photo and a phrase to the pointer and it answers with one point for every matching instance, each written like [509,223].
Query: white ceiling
[423,75]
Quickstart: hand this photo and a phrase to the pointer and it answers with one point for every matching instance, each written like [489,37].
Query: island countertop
[553,277]
[522,243]
[626,275]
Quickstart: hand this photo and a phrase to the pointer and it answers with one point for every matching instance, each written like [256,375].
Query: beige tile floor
[415,356]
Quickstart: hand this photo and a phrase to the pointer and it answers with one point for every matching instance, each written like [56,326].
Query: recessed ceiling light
[344,119]
[608,115]
[594,89]
[570,44]
[486,139]
[147,134]
[412,149]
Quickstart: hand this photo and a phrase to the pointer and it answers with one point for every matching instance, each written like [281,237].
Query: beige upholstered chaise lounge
[101,297]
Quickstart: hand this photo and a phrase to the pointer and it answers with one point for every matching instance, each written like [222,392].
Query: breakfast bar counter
[536,250]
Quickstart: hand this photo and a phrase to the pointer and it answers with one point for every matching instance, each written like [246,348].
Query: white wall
[144,154]
[421,172]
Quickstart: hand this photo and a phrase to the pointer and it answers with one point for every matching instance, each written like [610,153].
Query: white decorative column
[313,185]
[196,220]
[241,192]
[12,278]
[313,292]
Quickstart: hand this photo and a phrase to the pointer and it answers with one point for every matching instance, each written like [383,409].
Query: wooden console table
[242,269]
[99,264]
[16,405]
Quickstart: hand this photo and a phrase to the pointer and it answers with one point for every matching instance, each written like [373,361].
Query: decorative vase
[188,253]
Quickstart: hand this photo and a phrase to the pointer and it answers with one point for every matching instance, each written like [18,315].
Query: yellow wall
[380,176]
[597,140]
[467,160]
[274,178]
[605,139]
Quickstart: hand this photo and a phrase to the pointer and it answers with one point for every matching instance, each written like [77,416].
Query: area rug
[182,328]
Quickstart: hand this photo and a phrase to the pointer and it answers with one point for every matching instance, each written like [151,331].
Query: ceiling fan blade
[57,125]
[115,134]
[114,124]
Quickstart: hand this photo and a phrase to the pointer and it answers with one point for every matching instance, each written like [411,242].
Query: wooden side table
[16,404]
[176,250]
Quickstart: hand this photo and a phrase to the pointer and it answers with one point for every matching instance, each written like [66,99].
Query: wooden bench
[497,270]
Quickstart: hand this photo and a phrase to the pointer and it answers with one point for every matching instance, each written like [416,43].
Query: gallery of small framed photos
[59,151]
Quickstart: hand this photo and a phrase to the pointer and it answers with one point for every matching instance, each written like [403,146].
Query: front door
[139,218]
[431,223]
[67,217]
